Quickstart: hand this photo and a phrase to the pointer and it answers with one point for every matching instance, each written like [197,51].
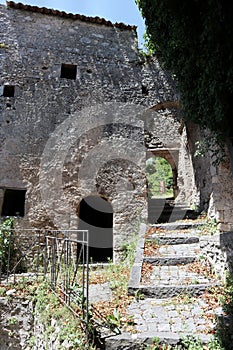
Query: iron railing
[60,256]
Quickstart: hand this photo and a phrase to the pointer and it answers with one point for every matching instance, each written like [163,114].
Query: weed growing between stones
[151,248]
[186,343]
[210,227]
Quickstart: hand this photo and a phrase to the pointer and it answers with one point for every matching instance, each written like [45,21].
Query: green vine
[6,244]
[194,41]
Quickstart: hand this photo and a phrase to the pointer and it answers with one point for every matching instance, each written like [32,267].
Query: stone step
[173,239]
[170,291]
[169,301]
[172,274]
[168,216]
[142,340]
[163,210]
[177,250]
[170,260]
[180,225]
[169,320]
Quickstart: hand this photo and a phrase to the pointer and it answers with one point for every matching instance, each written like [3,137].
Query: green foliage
[128,251]
[114,320]
[210,227]
[187,343]
[194,343]
[12,321]
[48,308]
[6,243]
[224,328]
[211,143]
[159,170]
[194,40]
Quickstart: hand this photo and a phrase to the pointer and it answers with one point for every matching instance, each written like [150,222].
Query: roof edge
[52,12]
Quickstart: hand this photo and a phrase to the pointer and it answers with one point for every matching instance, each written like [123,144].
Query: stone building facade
[79,119]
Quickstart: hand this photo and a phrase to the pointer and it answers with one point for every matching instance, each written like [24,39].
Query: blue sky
[125,11]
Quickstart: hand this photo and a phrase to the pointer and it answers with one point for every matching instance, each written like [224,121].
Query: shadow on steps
[161,210]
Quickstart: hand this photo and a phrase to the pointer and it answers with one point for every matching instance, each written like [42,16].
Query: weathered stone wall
[221,203]
[201,167]
[214,183]
[16,323]
[218,250]
[63,139]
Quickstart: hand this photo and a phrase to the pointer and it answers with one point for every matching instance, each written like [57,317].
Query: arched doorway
[161,182]
[96,215]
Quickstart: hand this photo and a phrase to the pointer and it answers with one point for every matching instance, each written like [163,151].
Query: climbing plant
[194,40]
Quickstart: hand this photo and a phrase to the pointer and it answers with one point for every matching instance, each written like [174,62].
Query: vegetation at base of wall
[159,177]
[186,343]
[53,314]
[114,312]
[210,227]
[194,40]
[224,329]
[10,255]
[7,249]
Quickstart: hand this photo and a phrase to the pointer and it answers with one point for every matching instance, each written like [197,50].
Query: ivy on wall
[194,40]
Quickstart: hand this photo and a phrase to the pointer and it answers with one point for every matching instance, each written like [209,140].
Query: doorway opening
[13,203]
[96,215]
[161,180]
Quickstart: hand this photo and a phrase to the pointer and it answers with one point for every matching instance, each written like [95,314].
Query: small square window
[68,71]
[13,203]
[8,91]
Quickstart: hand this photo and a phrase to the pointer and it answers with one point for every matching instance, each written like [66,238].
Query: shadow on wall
[225,321]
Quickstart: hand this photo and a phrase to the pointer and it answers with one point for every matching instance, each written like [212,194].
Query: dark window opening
[68,71]
[13,203]
[145,90]
[8,91]
[96,215]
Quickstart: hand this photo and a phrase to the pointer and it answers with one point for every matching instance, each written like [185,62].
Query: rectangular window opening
[69,71]
[13,203]
[8,91]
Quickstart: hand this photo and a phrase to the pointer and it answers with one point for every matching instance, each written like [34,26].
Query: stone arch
[96,215]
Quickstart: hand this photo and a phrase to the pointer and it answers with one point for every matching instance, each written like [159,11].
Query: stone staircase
[162,210]
[170,295]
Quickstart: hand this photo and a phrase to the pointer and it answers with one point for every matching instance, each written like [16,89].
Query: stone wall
[16,322]
[218,250]
[221,203]
[64,139]
[214,183]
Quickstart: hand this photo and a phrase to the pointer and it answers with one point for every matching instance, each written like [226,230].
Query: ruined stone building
[81,109]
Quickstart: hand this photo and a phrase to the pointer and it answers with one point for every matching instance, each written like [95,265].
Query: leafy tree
[159,173]
[194,40]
